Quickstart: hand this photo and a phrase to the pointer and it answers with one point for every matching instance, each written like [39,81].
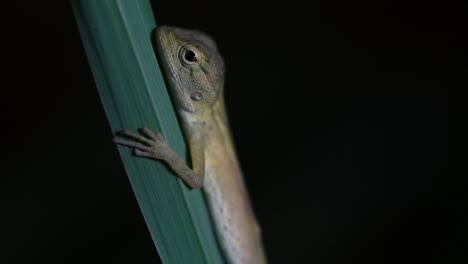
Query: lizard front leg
[150,145]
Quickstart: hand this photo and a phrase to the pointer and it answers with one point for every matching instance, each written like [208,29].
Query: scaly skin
[194,71]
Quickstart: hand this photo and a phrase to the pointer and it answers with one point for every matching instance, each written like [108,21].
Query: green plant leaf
[117,40]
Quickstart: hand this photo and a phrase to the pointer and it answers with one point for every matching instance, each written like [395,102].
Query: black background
[339,112]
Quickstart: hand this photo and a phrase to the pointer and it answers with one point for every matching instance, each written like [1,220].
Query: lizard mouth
[166,44]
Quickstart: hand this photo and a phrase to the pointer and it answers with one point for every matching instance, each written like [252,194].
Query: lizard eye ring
[189,56]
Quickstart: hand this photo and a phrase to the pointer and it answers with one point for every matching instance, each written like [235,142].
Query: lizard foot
[145,143]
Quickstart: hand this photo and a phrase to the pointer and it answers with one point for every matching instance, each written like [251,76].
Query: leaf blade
[117,39]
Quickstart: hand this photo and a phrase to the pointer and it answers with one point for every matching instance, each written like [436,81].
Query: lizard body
[195,75]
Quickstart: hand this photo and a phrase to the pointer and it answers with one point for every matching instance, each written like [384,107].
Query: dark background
[335,176]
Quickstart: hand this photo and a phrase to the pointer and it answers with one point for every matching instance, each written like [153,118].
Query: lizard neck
[212,120]
[209,128]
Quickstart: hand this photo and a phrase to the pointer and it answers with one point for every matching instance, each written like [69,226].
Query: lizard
[194,71]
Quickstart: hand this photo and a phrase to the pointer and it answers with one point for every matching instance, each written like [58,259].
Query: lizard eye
[189,56]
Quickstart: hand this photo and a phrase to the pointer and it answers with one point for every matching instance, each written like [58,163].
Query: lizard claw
[157,138]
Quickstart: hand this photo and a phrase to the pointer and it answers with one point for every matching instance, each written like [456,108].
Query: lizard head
[193,66]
